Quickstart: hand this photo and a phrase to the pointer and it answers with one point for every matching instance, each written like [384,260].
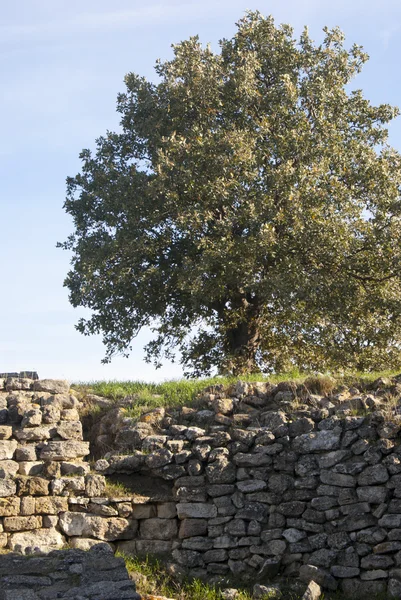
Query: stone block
[7,488]
[144,511]
[8,468]
[197,510]
[158,529]
[50,521]
[9,506]
[108,529]
[27,506]
[70,430]
[35,434]
[30,542]
[52,386]
[50,505]
[328,439]
[14,524]
[7,449]
[64,450]
[32,486]
[95,485]
[167,510]
[5,432]
[26,453]
[31,468]
[193,527]
[32,418]
[74,468]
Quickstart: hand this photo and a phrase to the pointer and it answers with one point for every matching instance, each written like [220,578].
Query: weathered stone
[8,468]
[5,432]
[22,523]
[376,561]
[309,573]
[394,588]
[26,453]
[71,430]
[30,542]
[7,488]
[86,543]
[337,479]
[360,590]
[9,506]
[30,468]
[312,592]
[159,458]
[50,505]
[32,486]
[35,434]
[187,510]
[158,529]
[374,574]
[108,529]
[372,494]
[64,450]
[52,386]
[318,441]
[7,449]
[344,572]
[373,475]
[95,485]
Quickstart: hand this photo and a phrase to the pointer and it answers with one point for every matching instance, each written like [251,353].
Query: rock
[373,475]
[22,523]
[318,441]
[86,543]
[197,510]
[8,468]
[263,591]
[193,527]
[312,592]
[158,529]
[394,588]
[9,506]
[50,505]
[64,450]
[5,432]
[71,430]
[7,488]
[95,485]
[38,540]
[7,449]
[107,529]
[52,386]
[309,573]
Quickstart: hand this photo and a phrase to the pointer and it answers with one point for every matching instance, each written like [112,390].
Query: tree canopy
[248,210]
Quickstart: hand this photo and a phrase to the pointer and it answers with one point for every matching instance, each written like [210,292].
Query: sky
[62,65]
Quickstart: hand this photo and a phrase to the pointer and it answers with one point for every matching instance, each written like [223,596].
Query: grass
[154,579]
[115,489]
[183,392]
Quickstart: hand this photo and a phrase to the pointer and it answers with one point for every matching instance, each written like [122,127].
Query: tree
[248,210]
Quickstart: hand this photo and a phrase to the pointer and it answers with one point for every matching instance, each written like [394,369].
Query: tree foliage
[248,210]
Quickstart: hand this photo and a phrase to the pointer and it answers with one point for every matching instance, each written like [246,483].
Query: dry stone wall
[256,482]
[66,574]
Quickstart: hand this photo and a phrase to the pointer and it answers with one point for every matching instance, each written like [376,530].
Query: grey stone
[318,441]
[373,475]
[197,510]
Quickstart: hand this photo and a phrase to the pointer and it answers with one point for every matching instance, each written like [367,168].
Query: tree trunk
[242,341]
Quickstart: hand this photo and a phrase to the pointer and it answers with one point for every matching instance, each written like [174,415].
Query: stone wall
[68,574]
[262,481]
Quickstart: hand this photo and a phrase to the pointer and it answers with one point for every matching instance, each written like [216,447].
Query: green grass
[156,580]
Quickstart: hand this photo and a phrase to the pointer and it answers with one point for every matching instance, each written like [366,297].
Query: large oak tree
[248,210]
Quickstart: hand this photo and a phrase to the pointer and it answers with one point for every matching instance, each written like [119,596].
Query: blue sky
[62,65]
